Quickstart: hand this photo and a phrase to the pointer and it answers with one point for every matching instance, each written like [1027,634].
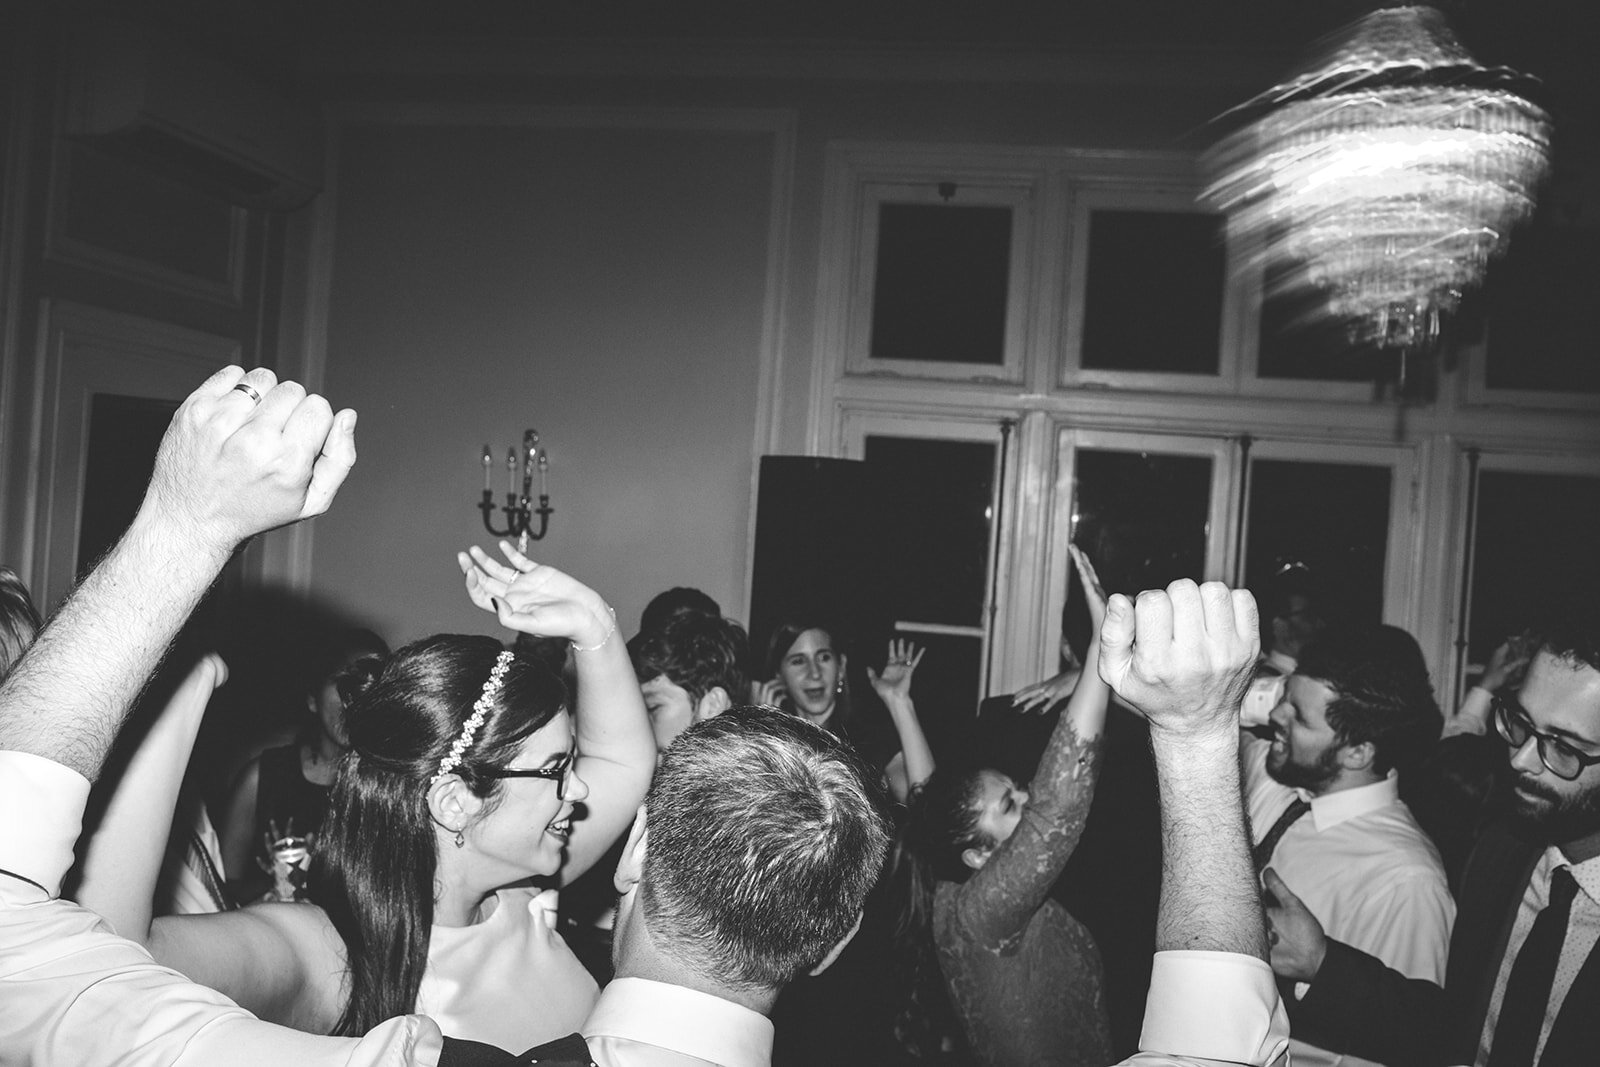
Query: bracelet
[595,648]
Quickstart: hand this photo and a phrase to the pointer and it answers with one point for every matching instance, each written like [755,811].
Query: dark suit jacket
[1359,1006]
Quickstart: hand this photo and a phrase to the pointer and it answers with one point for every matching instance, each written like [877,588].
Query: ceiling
[1551,38]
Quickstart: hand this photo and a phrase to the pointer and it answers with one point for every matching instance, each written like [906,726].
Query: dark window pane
[1534,547]
[945,686]
[935,499]
[1332,517]
[1153,298]
[1543,312]
[124,432]
[939,293]
[1141,517]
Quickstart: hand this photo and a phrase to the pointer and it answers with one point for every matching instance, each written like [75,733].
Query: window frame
[860,423]
[1154,193]
[1016,192]
[1069,440]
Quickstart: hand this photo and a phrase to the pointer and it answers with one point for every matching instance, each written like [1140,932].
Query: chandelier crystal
[1385,176]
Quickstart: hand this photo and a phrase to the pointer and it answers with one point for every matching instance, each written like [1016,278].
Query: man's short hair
[765,835]
[1381,690]
[675,602]
[696,653]
[1570,632]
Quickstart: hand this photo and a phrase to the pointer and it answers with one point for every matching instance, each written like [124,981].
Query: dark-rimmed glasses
[559,772]
[1559,757]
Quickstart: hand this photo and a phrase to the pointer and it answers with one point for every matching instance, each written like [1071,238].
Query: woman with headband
[458,791]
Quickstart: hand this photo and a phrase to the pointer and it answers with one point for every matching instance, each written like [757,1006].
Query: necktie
[1522,1012]
[1263,850]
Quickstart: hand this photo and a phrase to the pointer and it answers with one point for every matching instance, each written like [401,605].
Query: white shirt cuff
[1214,1006]
[41,815]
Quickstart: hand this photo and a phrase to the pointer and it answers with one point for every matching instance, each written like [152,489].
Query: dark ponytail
[941,822]
[374,872]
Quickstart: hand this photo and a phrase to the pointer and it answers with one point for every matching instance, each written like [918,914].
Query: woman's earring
[839,686]
[460,839]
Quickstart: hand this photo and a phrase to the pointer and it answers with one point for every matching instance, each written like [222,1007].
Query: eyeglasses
[1557,755]
[560,773]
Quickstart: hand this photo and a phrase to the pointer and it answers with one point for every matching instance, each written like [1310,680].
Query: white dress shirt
[1366,870]
[640,1023]
[74,994]
[1583,931]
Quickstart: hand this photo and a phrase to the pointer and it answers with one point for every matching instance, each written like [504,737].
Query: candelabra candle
[519,510]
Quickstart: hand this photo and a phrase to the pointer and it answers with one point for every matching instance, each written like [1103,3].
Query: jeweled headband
[480,711]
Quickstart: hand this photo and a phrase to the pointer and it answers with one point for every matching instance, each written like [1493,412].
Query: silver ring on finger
[248,390]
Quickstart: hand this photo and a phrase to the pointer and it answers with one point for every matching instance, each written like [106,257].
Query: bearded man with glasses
[1523,974]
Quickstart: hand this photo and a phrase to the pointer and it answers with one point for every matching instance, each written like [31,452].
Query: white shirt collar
[1586,874]
[682,1020]
[1331,809]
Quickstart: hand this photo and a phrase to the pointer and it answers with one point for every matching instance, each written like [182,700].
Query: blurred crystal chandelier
[1385,175]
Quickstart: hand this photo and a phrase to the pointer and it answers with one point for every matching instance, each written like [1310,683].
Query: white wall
[605,286]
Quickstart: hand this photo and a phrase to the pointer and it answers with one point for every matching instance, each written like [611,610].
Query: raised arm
[616,750]
[1183,658]
[914,763]
[1001,898]
[122,861]
[229,467]
[281,963]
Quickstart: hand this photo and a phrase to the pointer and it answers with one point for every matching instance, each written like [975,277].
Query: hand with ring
[894,681]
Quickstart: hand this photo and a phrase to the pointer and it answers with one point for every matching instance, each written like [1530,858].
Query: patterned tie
[1262,853]
[1522,1012]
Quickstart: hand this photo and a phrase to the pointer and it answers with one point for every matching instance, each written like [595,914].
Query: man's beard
[1312,777]
[1553,817]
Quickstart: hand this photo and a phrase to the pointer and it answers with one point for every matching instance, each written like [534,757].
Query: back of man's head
[765,834]
[675,602]
[696,652]
[1383,694]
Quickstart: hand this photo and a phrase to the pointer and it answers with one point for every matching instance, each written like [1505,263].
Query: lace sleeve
[995,904]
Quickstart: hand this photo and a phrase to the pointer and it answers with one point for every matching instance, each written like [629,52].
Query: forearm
[914,746]
[1209,896]
[68,697]
[611,721]
[1086,709]
[1472,717]
[1360,1007]
[617,750]
[78,996]
[123,859]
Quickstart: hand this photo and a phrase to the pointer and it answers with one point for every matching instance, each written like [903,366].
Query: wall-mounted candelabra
[518,508]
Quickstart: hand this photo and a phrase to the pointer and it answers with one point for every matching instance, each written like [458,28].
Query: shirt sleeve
[41,815]
[1212,1008]
[1408,926]
[77,995]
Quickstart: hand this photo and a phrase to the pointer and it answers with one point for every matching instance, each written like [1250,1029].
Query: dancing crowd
[575,847]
